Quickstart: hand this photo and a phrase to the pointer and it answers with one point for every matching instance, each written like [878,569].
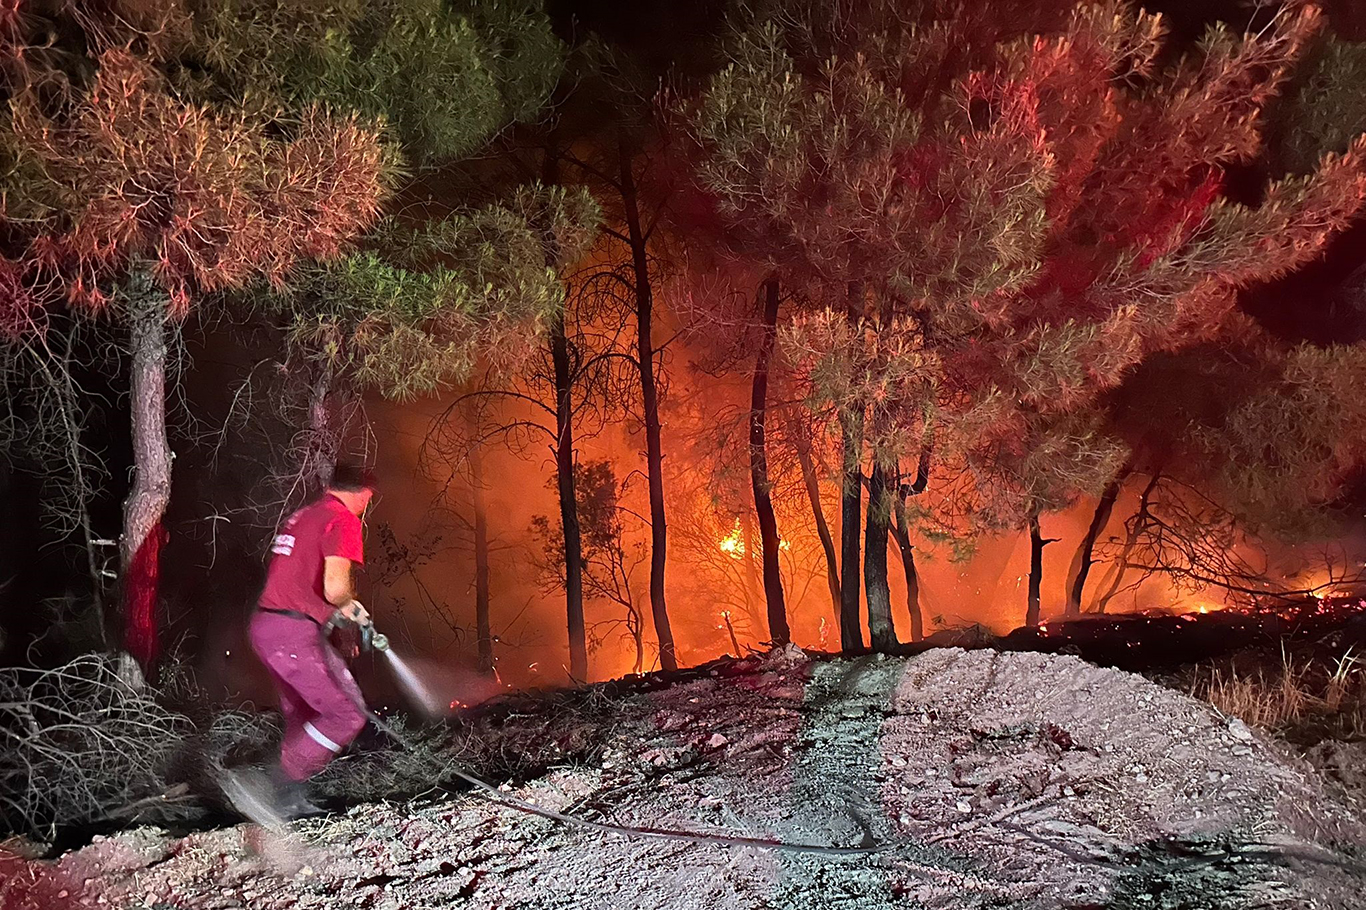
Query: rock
[1239,730]
[789,655]
[716,741]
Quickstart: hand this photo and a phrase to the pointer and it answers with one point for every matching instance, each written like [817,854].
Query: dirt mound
[988,780]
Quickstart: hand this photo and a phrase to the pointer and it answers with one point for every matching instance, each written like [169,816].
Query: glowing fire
[733,544]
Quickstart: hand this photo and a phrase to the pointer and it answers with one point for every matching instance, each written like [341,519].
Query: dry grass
[1296,694]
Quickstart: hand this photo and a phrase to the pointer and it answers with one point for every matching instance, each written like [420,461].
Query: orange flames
[733,544]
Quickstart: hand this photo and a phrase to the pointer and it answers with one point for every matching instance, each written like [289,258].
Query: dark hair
[351,477]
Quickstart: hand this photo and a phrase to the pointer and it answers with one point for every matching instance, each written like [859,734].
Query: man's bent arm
[339,588]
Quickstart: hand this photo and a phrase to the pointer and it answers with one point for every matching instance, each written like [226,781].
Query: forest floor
[978,779]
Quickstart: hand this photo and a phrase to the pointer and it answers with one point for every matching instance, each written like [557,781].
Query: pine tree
[472,267]
[1030,205]
[1239,445]
[138,200]
[1247,441]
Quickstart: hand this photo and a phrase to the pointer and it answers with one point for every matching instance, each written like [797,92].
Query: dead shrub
[387,770]
[79,744]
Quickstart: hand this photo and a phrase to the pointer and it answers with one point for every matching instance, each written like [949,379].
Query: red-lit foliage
[204,199]
[1015,206]
[1041,222]
[126,198]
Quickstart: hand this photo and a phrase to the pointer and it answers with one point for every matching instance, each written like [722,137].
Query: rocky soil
[975,779]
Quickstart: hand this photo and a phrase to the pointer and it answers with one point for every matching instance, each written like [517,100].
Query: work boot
[249,791]
[291,796]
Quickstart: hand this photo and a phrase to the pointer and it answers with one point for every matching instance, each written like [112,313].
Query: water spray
[376,642]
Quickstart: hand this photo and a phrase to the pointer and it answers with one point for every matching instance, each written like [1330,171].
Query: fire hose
[372,640]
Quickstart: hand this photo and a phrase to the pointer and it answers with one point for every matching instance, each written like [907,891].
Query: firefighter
[310,588]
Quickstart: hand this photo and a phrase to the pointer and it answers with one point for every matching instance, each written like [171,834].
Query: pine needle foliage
[112,169]
[413,314]
[425,299]
[1031,202]
[446,76]
[1326,111]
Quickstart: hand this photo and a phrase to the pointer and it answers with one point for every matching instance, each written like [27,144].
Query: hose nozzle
[370,640]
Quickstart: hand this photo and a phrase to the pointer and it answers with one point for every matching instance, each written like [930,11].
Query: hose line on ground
[869,846]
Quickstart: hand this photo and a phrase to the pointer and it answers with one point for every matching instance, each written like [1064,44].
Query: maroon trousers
[320,701]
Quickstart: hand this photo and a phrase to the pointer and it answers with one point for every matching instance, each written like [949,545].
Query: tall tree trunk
[881,630]
[1036,544]
[778,631]
[902,532]
[638,639]
[654,457]
[1084,558]
[483,624]
[144,534]
[560,356]
[901,529]
[569,504]
[752,571]
[851,511]
[851,500]
[813,494]
[1110,584]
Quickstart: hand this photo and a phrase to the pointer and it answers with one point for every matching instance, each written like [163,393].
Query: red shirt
[294,580]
